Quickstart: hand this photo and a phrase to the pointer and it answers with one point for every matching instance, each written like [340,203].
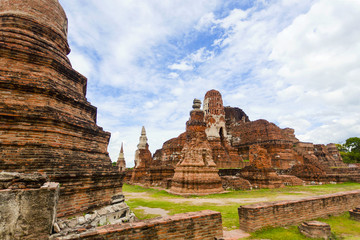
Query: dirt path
[235,234]
[158,211]
[228,235]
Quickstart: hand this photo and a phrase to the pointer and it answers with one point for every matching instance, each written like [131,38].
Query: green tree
[353,144]
[350,150]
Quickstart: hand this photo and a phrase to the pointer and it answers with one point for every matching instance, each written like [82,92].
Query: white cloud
[234,19]
[318,55]
[82,64]
[183,66]
[205,22]
[173,75]
[200,56]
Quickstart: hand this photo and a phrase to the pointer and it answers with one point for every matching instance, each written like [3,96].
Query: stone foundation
[281,213]
[204,225]
[315,229]
[27,210]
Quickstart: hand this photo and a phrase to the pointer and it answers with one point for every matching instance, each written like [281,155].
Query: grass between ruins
[342,227]
[154,198]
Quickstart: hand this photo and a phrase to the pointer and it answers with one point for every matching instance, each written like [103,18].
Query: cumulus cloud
[319,68]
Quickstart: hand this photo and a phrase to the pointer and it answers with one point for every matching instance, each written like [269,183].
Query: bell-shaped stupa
[46,123]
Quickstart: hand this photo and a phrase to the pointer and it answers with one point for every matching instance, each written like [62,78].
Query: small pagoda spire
[143,141]
[121,159]
[122,148]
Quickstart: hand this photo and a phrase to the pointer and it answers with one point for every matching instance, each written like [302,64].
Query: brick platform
[27,206]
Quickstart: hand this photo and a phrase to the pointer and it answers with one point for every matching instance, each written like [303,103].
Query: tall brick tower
[46,123]
[214,115]
[223,154]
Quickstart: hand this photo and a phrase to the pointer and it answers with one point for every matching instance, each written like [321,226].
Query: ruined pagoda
[143,160]
[46,123]
[121,164]
[196,173]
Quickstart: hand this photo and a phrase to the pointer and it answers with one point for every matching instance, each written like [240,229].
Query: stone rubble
[117,213]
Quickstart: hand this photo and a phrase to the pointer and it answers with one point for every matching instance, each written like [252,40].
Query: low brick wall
[201,225]
[281,213]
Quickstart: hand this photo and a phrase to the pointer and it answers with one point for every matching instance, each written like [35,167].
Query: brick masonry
[201,225]
[46,123]
[197,172]
[281,213]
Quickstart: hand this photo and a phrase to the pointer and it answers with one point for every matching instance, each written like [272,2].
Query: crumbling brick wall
[281,213]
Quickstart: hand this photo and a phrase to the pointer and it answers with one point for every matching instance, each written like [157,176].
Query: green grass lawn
[228,212]
[256,193]
[341,225]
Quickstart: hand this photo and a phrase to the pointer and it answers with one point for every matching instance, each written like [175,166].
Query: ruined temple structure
[224,155]
[258,152]
[196,173]
[121,164]
[143,160]
[260,171]
[46,123]
[56,177]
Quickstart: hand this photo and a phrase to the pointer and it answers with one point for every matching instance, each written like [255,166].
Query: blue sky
[292,62]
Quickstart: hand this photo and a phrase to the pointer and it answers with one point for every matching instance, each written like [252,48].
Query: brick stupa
[196,173]
[143,160]
[46,123]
